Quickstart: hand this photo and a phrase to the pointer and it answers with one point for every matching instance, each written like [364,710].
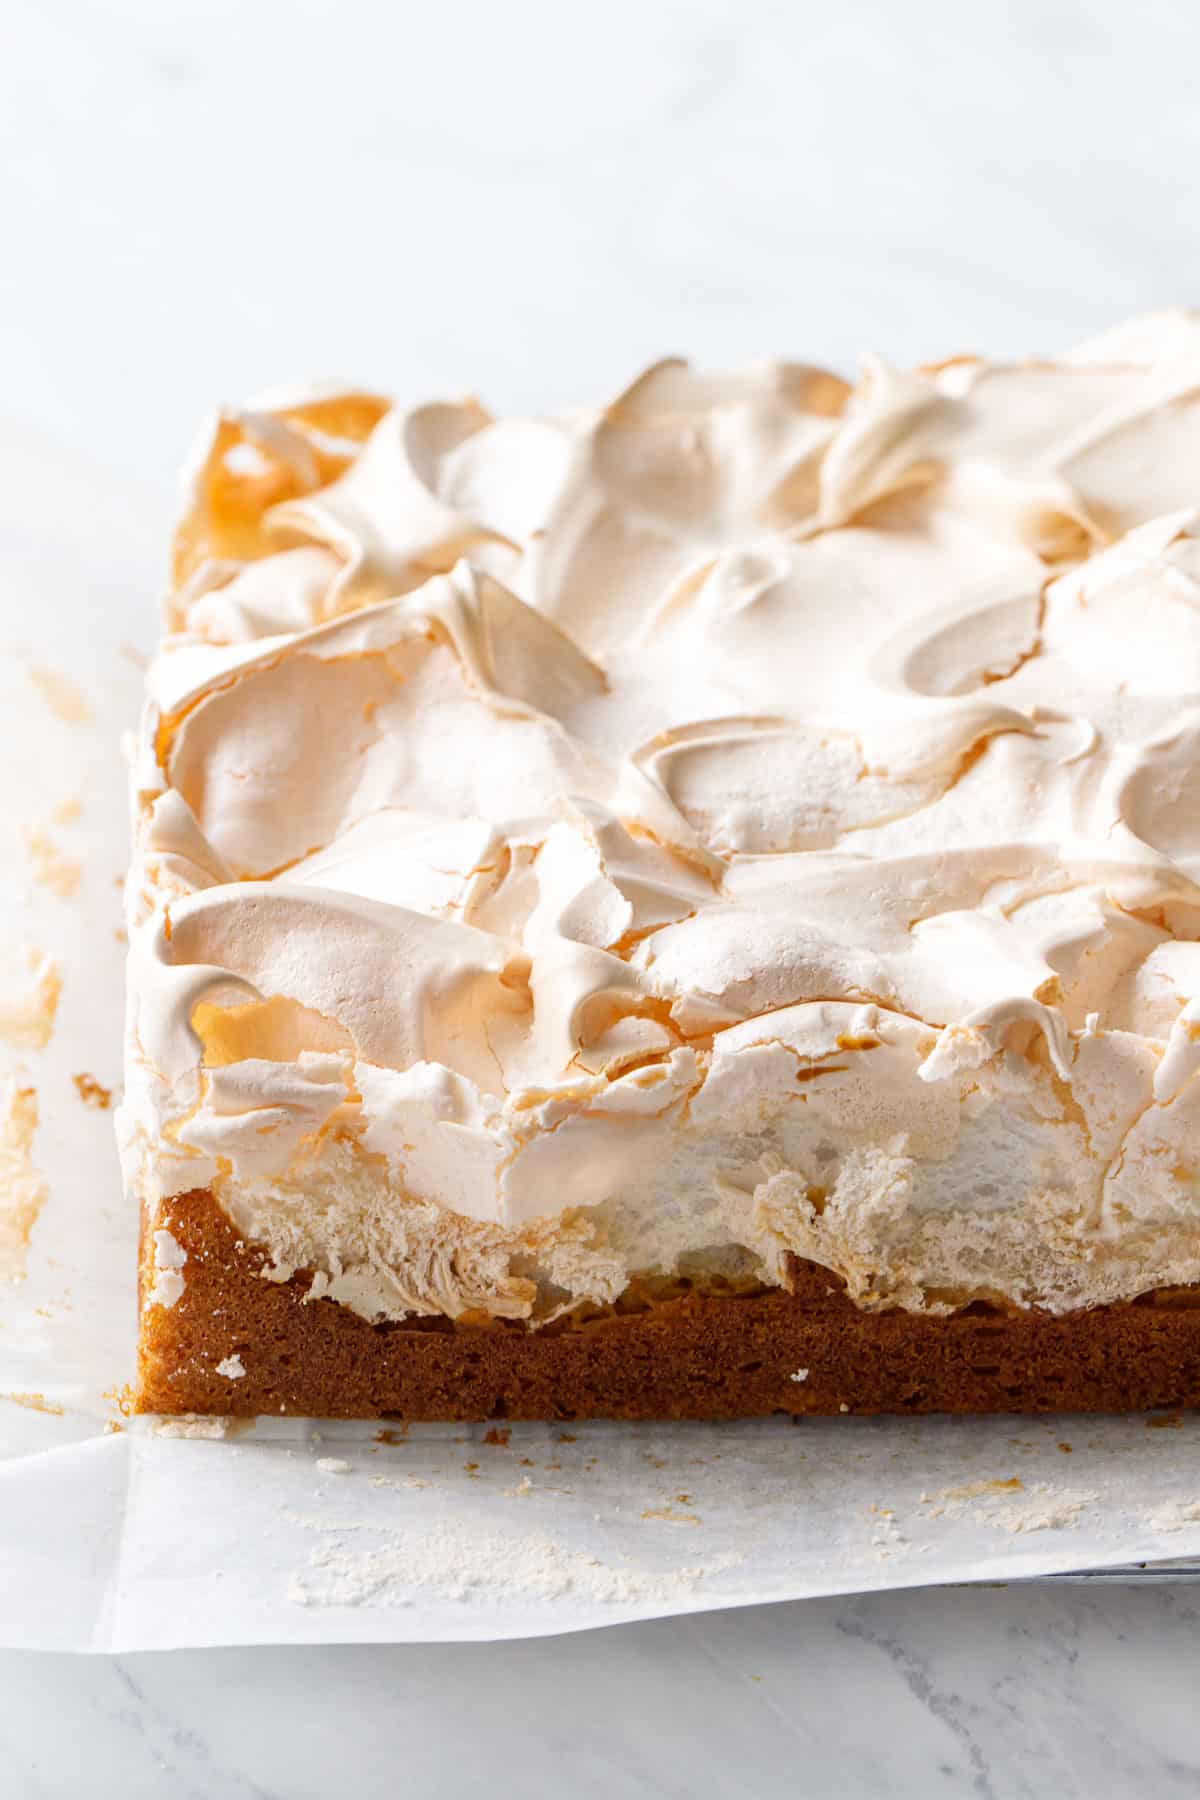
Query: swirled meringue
[758,818]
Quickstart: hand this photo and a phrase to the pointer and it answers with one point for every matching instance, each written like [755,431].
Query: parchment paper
[113,1537]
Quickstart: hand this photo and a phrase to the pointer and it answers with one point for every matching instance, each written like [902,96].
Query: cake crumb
[67,812]
[524,1486]
[61,695]
[333,1465]
[92,1092]
[886,1535]
[23,1188]
[1166,1422]
[670,1516]
[48,865]
[497,1434]
[232,1368]
[390,1435]
[193,1425]
[972,1490]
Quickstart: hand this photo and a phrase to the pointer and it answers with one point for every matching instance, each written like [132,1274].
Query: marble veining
[1001,1693]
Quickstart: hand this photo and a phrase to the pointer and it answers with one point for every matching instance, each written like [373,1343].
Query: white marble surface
[202,197]
[999,1693]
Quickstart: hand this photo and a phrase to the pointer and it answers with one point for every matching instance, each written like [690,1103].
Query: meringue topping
[758,818]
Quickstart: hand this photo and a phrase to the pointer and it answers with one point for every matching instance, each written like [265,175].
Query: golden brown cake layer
[697,1356]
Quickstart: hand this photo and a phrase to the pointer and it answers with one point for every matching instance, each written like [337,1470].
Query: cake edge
[809,1352]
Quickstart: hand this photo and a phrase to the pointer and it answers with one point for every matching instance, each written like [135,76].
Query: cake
[686,908]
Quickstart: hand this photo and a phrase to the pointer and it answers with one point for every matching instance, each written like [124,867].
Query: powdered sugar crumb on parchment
[333,1465]
[1041,1507]
[886,1535]
[1174,1515]
[468,1563]
[330,1527]
[1046,1508]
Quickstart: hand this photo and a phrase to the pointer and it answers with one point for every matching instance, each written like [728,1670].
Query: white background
[527,201]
